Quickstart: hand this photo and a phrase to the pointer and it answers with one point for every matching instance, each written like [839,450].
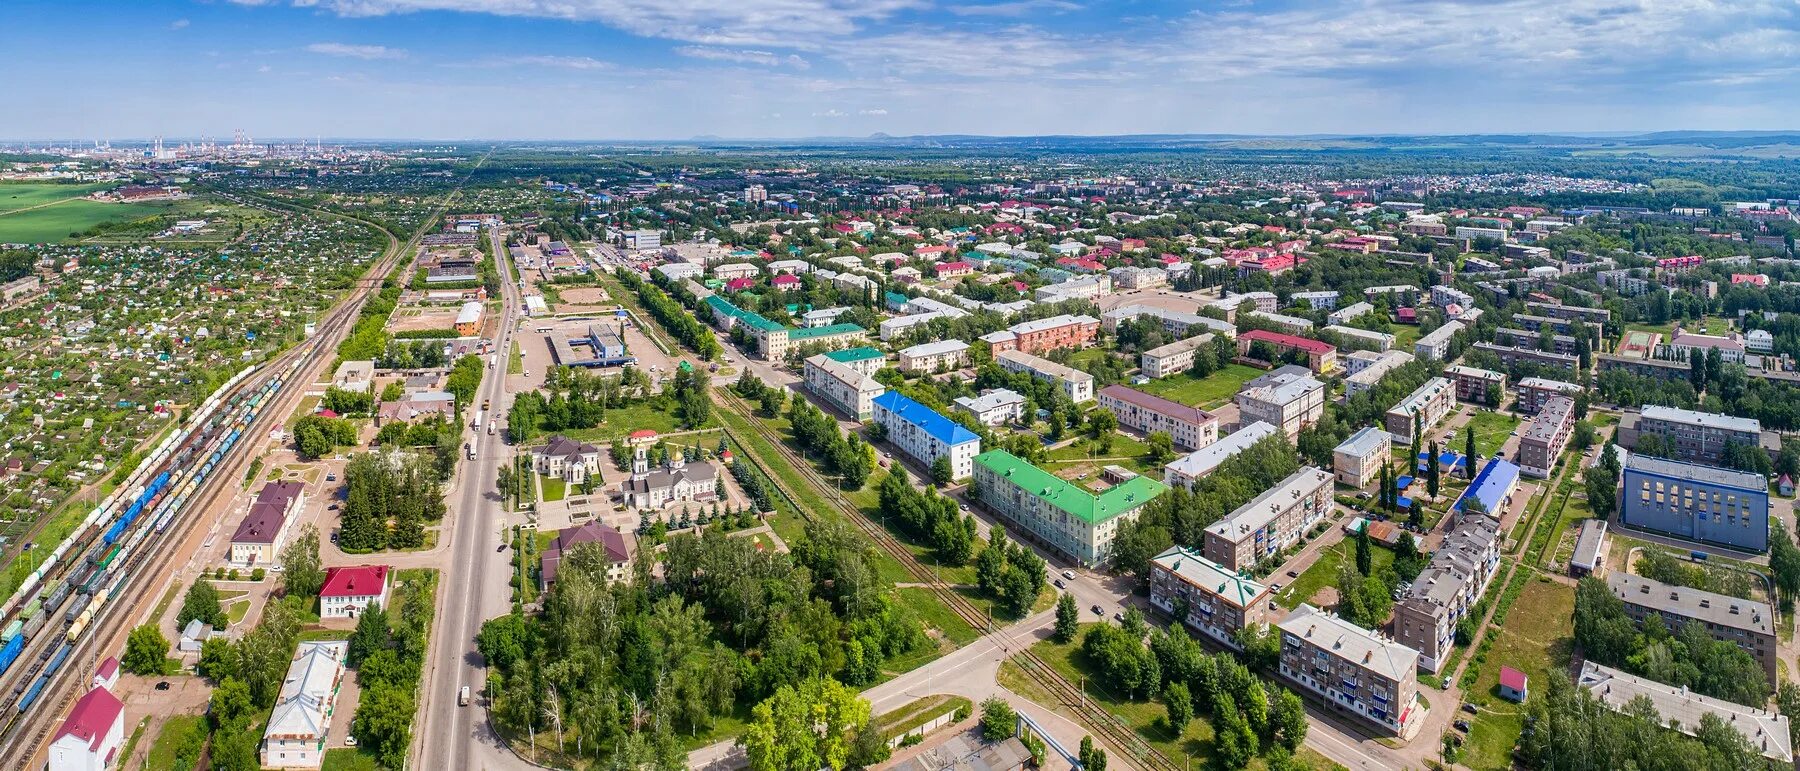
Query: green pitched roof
[1211,576]
[796,335]
[1067,496]
[849,355]
[752,318]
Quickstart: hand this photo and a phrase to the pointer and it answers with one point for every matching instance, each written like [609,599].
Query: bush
[257,574]
[232,575]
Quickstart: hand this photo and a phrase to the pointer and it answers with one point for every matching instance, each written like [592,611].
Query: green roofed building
[772,339]
[1058,513]
[863,359]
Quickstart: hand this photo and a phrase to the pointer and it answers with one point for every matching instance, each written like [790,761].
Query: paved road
[473,586]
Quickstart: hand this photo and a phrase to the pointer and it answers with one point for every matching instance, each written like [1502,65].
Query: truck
[469,447]
[478,415]
[462,697]
[492,357]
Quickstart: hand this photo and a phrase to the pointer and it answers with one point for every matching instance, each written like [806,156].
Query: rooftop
[1157,404]
[1695,472]
[356,581]
[1707,607]
[1045,366]
[1350,642]
[1491,486]
[861,353]
[935,348]
[1264,508]
[1544,426]
[1205,459]
[1288,341]
[1189,566]
[1089,507]
[1363,442]
[93,716]
[990,399]
[1697,418]
[1766,731]
[943,429]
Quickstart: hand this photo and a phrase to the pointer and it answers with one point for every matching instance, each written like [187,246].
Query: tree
[1469,454]
[1431,471]
[1068,618]
[146,651]
[1092,757]
[941,471]
[998,720]
[202,602]
[1287,716]
[1180,705]
[1365,554]
[301,574]
[230,702]
[1233,740]
[1161,447]
[371,635]
[804,728]
[383,724]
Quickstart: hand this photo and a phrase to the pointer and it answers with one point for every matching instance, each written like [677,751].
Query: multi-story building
[1510,355]
[1446,296]
[1561,311]
[1354,338]
[1534,391]
[1700,503]
[1174,358]
[1191,427]
[570,460]
[1194,466]
[1350,313]
[1287,398]
[1356,671]
[1321,357]
[350,590]
[1546,436]
[1746,623]
[1421,409]
[1559,344]
[1176,323]
[1320,301]
[924,435]
[1436,343]
[841,386]
[295,735]
[1041,335]
[1270,522]
[1368,368]
[1077,385]
[1358,460]
[1056,512]
[1683,344]
[994,407]
[90,738]
[863,360]
[1210,599]
[1688,435]
[1425,618]
[1293,325]
[934,356]
[1765,730]
[1474,383]
[259,537]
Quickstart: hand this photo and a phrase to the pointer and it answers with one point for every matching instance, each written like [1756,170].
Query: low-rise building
[349,591]
[1436,343]
[863,360]
[1270,522]
[468,319]
[1426,616]
[1696,502]
[994,406]
[1058,513]
[1077,385]
[1512,355]
[1352,338]
[1546,436]
[1590,549]
[1357,461]
[1293,325]
[295,736]
[618,549]
[1207,597]
[1350,313]
[841,386]
[1748,624]
[1039,335]
[1492,489]
[1191,428]
[1367,368]
[1534,391]
[1421,409]
[1680,708]
[262,532]
[1356,671]
[1287,398]
[1194,466]
[1173,358]
[1177,323]
[570,460]
[924,435]
[91,736]
[1474,384]
[934,356]
[1321,357]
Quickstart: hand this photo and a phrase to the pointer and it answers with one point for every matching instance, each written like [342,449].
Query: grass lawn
[621,422]
[236,612]
[1207,392]
[1148,717]
[515,363]
[1324,572]
[921,711]
[553,488]
[24,195]
[349,759]
[1491,429]
[1536,638]
[137,733]
[178,733]
[1124,451]
[935,613]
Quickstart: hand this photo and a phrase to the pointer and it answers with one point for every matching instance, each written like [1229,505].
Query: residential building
[1426,616]
[1683,344]
[1421,409]
[1436,343]
[1131,277]
[1321,301]
[1445,296]
[1270,522]
[1194,466]
[1534,391]
[1680,708]
[679,480]
[1210,599]
[934,356]
[994,407]
[1688,435]
[1077,385]
[263,531]
[91,736]
[862,360]
[567,459]
[1759,341]
[1173,358]
[1546,436]
[1190,427]
[842,386]
[1083,288]
[1699,503]
[1037,336]
[1357,461]
[1367,368]
[1748,624]
[618,548]
[1590,549]
[1510,355]
[924,435]
[1293,325]
[349,591]
[1349,313]
[295,736]
[1058,513]
[468,319]
[1472,233]
[1356,671]
[1287,398]
[1321,357]
[1473,384]
[1353,338]
[1176,323]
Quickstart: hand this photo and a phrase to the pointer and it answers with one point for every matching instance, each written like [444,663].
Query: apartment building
[1436,343]
[1320,301]
[1421,409]
[934,356]
[1065,331]
[1356,671]
[1177,323]
[842,386]
[1293,325]
[1367,368]
[1546,436]
[1194,466]
[1510,355]
[1698,437]
[1357,461]
[994,406]
[1696,502]
[1287,398]
[1349,313]
[1207,597]
[1534,391]
[924,435]
[1270,522]
[1191,427]
[1058,513]
[1446,296]
[1766,730]
[1474,383]
[1077,385]
[1425,618]
[1354,338]
[1321,357]
[1746,623]
[1174,358]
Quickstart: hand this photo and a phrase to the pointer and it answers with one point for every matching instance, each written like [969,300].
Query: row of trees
[1570,729]
[464,380]
[575,399]
[1009,573]
[847,457]
[931,518]
[673,316]
[1182,516]
[1249,715]
[316,436]
[389,497]
[388,654]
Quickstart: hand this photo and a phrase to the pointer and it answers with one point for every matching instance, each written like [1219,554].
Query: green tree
[202,602]
[1288,718]
[371,635]
[1092,757]
[805,728]
[1161,448]
[1431,471]
[1469,453]
[998,720]
[941,471]
[1180,705]
[1068,618]
[383,724]
[302,574]
[146,651]
[230,702]
[234,747]
[1365,552]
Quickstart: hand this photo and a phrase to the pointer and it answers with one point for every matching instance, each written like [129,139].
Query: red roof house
[1514,685]
[92,734]
[350,590]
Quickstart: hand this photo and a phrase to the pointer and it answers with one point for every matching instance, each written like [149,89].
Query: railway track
[1115,731]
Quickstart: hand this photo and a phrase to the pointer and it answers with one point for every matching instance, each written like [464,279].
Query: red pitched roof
[1512,678]
[358,581]
[92,717]
[1289,341]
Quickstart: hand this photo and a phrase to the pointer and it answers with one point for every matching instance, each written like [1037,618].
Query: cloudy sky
[673,69]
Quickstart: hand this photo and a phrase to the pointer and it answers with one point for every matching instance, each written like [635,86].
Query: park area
[1206,393]
[1536,639]
[1491,430]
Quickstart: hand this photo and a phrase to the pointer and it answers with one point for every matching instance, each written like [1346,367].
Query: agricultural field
[24,195]
[59,222]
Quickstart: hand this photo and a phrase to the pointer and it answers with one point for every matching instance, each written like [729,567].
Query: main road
[473,586]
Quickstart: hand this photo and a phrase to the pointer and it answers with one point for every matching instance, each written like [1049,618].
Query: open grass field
[180,739]
[621,422]
[24,195]
[935,613]
[1324,572]
[54,223]
[1491,430]
[1207,392]
[1536,639]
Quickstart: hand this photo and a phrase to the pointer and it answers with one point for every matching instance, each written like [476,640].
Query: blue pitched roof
[1492,485]
[927,419]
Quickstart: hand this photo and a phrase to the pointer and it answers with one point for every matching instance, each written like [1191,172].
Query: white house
[297,729]
[350,590]
[566,459]
[90,738]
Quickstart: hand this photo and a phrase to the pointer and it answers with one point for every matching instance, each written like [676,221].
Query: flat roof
[1187,564]
[1766,731]
[1587,545]
[1207,458]
[1713,475]
[1697,418]
[1708,607]
[1545,425]
[1092,508]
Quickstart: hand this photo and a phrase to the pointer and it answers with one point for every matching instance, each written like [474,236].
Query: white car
[1069,574]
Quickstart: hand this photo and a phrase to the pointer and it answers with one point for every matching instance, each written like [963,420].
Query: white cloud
[264,68]
[875,111]
[559,62]
[178,24]
[831,113]
[744,56]
[357,51]
[1015,9]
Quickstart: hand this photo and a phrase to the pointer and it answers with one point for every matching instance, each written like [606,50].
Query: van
[462,697]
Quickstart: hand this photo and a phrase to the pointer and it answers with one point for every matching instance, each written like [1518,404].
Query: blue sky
[673,69]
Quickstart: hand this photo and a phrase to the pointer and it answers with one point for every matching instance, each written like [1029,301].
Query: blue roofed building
[1493,487]
[925,435]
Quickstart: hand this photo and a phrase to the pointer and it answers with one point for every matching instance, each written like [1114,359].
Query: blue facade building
[1699,503]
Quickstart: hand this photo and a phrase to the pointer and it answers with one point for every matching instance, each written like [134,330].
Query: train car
[9,652]
[78,627]
[31,694]
[32,608]
[110,556]
[57,598]
[32,627]
[61,658]
[13,630]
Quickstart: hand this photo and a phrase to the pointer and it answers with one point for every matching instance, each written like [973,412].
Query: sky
[677,69]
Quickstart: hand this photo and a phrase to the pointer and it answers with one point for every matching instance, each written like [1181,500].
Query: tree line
[1686,656]
[389,496]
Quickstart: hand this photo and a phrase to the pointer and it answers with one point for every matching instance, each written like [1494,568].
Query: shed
[1514,685]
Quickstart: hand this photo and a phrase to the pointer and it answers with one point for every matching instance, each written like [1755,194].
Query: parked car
[1470,708]
[1117,616]
[162,685]
[1098,611]
[1292,574]
[1461,725]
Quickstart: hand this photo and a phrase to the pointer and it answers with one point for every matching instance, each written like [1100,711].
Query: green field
[1324,572]
[1491,430]
[24,195]
[54,223]
[183,732]
[1207,392]
[1536,638]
